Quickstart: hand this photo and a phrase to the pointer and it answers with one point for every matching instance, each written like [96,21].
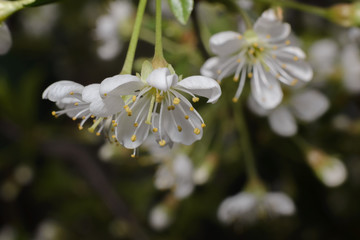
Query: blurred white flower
[263,54]
[160,217]
[47,230]
[155,102]
[330,170]
[350,59]
[39,21]
[108,27]
[323,55]
[7,233]
[23,174]
[245,4]
[247,207]
[306,105]
[176,174]
[204,171]
[5,39]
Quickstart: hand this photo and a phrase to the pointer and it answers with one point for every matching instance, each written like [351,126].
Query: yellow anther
[262,49]
[192,109]
[287,42]
[218,71]
[236,79]
[203,125]
[76,104]
[71,93]
[129,112]
[115,124]
[171,107]
[295,58]
[113,136]
[218,81]
[113,121]
[155,129]
[197,131]
[278,75]
[74,118]
[53,113]
[268,36]
[136,124]
[240,37]
[133,138]
[94,120]
[162,143]
[251,51]
[195,99]
[294,82]
[98,134]
[234,100]
[92,116]
[80,128]
[255,44]
[126,107]
[238,60]
[159,98]
[186,117]
[176,101]
[274,56]
[105,94]
[132,155]
[134,98]
[275,47]
[179,128]
[83,117]
[250,75]
[283,65]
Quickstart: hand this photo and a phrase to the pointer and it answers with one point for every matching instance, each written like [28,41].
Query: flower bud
[330,170]
[345,14]
[203,173]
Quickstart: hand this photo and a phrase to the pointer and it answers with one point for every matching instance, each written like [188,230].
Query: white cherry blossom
[263,54]
[306,105]
[5,39]
[155,102]
[247,207]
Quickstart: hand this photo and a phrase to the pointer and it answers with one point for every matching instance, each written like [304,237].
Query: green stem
[245,143]
[158,60]
[129,60]
[245,17]
[299,6]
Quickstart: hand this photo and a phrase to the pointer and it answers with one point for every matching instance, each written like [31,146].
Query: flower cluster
[126,107]
[263,54]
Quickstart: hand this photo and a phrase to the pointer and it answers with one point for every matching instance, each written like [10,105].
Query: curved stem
[129,60]
[299,6]
[246,143]
[158,60]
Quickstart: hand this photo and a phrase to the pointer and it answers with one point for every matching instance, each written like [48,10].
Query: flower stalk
[129,60]
[158,60]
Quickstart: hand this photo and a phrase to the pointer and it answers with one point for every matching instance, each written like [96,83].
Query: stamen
[83,117]
[176,101]
[76,104]
[295,58]
[234,100]
[179,128]
[113,136]
[71,93]
[152,102]
[53,113]
[268,36]
[238,60]
[133,138]
[81,128]
[197,131]
[162,143]
[134,98]
[136,124]
[191,109]
[195,99]
[96,123]
[186,117]
[171,107]
[250,75]
[294,82]
[255,44]
[283,65]
[155,129]
[159,98]
[287,42]
[203,125]
[74,118]
[98,134]
[240,37]
[105,94]
[92,116]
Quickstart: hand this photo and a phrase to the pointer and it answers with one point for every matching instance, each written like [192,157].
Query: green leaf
[181,9]
[40,2]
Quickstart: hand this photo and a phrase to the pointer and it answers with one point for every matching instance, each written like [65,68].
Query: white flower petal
[174,119]
[107,107]
[291,52]
[120,85]
[350,61]
[282,122]
[161,79]
[160,218]
[225,43]
[279,204]
[269,26]
[202,86]
[5,39]
[58,90]
[164,179]
[309,105]
[299,69]
[257,108]
[183,170]
[209,68]
[91,93]
[126,130]
[267,96]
